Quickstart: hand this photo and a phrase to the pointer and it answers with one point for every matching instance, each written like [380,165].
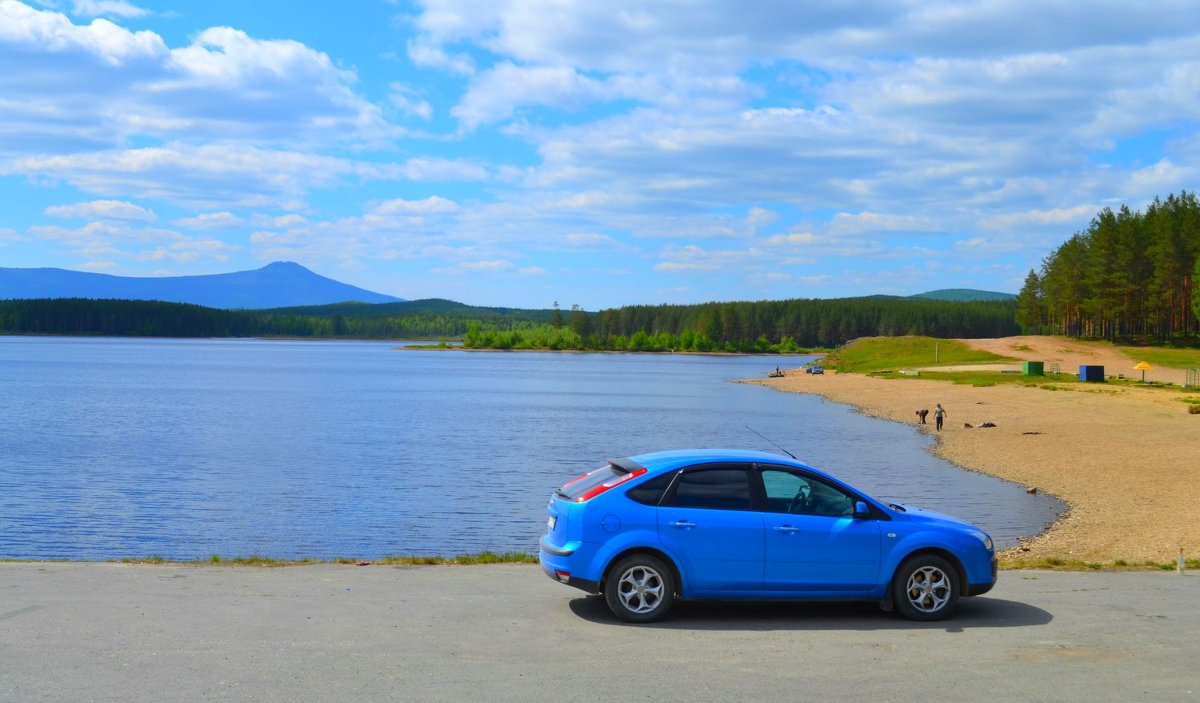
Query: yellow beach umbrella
[1143,367]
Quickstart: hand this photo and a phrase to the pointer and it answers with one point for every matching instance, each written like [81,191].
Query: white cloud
[211,220]
[224,85]
[97,266]
[486,266]
[495,94]
[103,210]
[405,99]
[99,8]
[213,174]
[431,205]
[134,242]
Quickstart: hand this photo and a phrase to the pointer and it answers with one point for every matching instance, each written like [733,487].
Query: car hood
[931,517]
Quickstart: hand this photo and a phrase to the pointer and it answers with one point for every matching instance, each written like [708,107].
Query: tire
[926,588]
[639,588]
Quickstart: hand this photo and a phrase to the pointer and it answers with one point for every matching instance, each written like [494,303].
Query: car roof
[656,462]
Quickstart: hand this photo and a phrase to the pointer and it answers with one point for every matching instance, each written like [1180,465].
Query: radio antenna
[772,442]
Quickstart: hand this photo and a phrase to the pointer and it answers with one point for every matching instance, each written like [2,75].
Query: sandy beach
[1126,460]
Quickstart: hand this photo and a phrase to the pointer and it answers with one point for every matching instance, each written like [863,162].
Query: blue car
[723,523]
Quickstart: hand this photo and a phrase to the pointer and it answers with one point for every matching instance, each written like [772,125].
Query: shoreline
[1122,459]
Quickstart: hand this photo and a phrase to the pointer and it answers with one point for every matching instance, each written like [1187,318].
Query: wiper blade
[897,507]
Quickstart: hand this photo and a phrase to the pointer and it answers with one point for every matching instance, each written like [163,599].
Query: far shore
[1126,460]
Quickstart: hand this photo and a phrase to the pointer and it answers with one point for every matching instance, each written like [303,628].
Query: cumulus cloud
[122,84]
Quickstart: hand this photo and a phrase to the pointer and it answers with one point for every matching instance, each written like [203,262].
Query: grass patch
[984,379]
[880,353]
[485,557]
[1060,564]
[1172,357]
[463,559]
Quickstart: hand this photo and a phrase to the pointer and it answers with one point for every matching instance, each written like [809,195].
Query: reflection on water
[114,448]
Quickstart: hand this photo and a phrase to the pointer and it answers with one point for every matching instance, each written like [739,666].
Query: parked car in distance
[816,370]
[738,524]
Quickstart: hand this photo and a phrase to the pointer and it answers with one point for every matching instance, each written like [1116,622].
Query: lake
[117,448]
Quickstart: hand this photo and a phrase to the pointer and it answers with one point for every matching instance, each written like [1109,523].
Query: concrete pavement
[111,632]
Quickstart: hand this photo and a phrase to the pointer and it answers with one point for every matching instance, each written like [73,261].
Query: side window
[716,488]
[788,492]
[650,492]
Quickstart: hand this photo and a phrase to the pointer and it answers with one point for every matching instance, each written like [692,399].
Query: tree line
[148,318]
[764,326]
[767,326]
[1129,275]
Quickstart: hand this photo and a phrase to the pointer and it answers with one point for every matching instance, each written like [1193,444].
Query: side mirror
[861,510]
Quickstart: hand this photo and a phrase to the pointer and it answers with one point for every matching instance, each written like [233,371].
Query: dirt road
[1070,354]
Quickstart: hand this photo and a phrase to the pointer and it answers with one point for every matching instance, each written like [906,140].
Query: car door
[707,520]
[814,543]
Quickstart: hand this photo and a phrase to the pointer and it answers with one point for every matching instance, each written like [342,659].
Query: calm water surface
[113,448]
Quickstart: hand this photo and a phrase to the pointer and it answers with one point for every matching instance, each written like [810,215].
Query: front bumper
[978,589]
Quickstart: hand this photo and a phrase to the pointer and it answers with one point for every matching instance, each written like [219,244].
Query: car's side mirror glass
[861,509]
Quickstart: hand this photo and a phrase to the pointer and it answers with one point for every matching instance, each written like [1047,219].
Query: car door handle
[787,529]
[683,524]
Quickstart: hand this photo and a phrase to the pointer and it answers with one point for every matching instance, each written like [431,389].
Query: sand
[1126,460]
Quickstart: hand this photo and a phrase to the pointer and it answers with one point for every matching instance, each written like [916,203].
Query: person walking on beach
[921,414]
[939,414]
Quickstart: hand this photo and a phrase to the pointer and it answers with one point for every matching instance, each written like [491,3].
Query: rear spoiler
[626,464]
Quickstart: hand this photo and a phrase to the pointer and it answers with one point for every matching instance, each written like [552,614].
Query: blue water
[114,448]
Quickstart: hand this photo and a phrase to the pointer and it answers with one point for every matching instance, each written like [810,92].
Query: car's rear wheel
[925,588]
[639,588]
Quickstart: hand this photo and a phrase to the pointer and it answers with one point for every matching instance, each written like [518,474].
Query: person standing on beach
[921,414]
[939,414]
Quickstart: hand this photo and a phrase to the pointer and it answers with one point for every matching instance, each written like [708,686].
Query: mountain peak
[284,266]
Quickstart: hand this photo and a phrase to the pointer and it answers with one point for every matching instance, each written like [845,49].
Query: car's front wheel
[925,588]
[639,588]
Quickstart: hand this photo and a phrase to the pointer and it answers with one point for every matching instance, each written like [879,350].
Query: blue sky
[530,151]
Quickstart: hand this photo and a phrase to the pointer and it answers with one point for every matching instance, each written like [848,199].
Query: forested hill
[964,295]
[1128,275]
[746,326]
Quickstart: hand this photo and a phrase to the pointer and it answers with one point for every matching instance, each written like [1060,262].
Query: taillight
[611,483]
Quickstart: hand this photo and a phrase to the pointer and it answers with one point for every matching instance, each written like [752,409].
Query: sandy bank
[1125,459]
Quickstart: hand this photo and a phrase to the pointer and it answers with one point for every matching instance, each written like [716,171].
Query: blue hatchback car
[723,523]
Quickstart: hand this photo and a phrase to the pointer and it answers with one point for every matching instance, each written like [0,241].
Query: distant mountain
[281,284]
[964,295]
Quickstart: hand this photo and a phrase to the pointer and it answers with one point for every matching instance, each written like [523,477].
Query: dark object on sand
[922,413]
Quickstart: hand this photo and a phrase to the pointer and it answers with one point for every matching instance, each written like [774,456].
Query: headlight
[983,537]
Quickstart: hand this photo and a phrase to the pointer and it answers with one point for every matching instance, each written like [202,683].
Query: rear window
[590,480]
[650,492]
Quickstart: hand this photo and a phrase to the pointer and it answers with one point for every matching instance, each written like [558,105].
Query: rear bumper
[551,548]
[581,584]
[556,560]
